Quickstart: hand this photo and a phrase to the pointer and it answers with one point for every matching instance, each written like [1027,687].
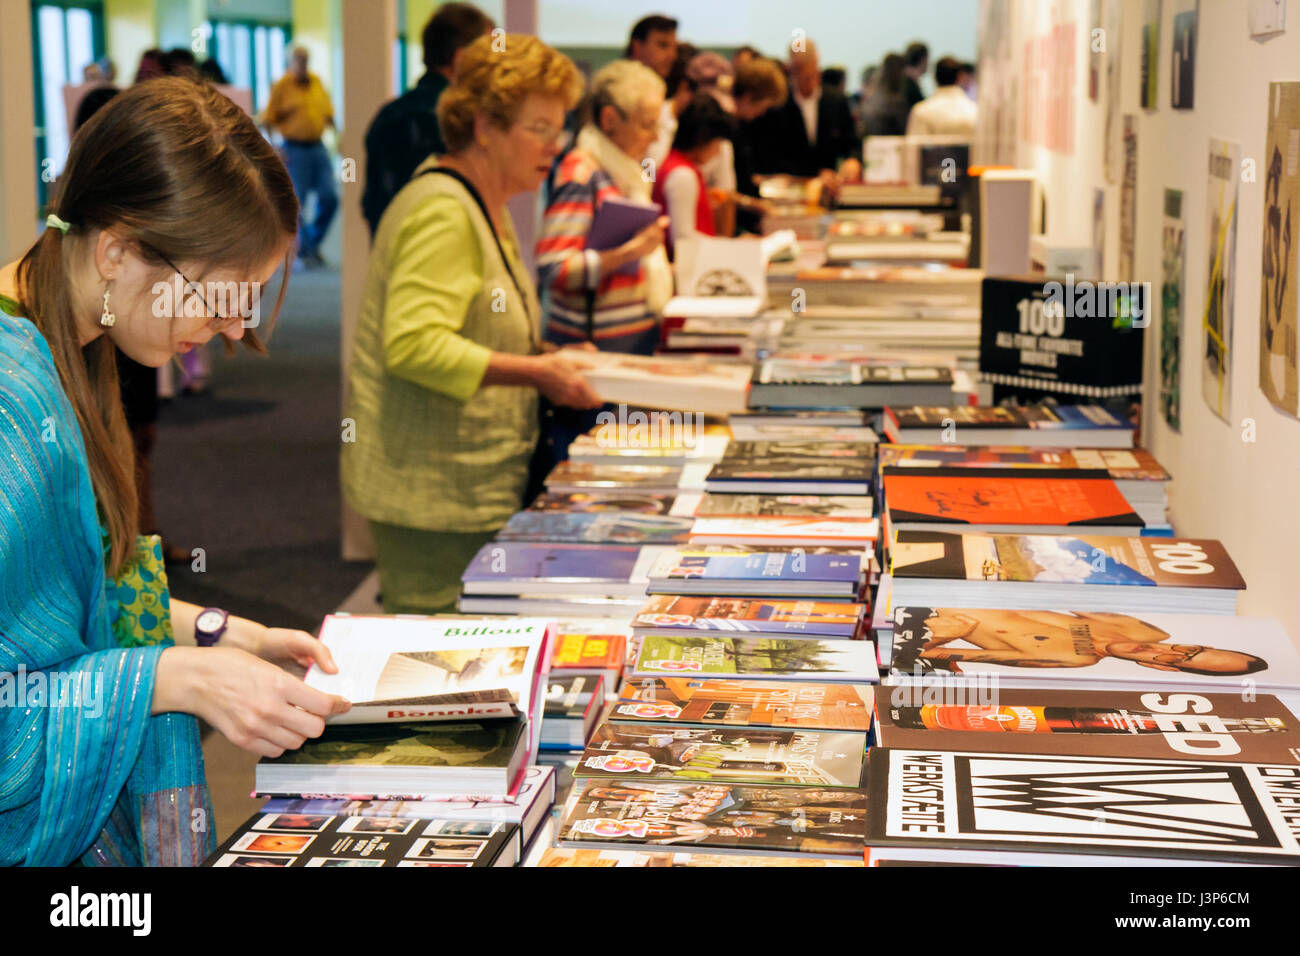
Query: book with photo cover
[1003,499]
[1094,723]
[1119,464]
[519,567]
[573,706]
[1076,425]
[686,383]
[794,383]
[1085,571]
[579,476]
[603,527]
[709,702]
[1114,806]
[774,573]
[282,839]
[757,658]
[615,499]
[409,668]
[527,808]
[829,507]
[1085,650]
[743,755]
[796,466]
[400,760]
[556,856]
[717,818]
[681,614]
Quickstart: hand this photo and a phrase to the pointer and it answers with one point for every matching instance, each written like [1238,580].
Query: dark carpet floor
[248,472]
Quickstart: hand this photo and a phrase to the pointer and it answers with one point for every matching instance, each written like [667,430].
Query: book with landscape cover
[711,702]
[771,658]
[775,573]
[1085,650]
[1051,804]
[830,507]
[682,614]
[603,527]
[1044,570]
[792,383]
[302,839]
[746,755]
[518,567]
[410,668]
[811,821]
[397,760]
[998,499]
[1095,723]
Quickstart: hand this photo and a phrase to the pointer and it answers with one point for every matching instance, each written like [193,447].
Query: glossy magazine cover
[744,703]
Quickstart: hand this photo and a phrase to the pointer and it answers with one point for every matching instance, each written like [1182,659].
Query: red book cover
[987,498]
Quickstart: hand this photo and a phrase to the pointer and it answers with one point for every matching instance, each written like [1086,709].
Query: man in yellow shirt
[299,110]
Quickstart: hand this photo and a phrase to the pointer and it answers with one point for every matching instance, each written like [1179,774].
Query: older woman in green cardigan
[445,366]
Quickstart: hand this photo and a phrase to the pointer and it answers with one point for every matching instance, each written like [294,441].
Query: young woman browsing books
[97,723]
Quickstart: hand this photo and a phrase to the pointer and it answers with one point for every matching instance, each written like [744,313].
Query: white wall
[1241,493]
[849,33]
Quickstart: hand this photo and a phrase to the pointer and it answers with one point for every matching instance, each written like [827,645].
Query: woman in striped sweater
[610,298]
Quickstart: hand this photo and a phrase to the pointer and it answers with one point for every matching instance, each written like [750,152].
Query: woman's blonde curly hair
[496,73]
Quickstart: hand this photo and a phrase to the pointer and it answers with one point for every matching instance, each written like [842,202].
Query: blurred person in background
[653,43]
[885,112]
[916,63]
[950,111]
[812,134]
[744,54]
[405,131]
[446,367]
[760,86]
[299,110]
[679,93]
[702,129]
[612,298]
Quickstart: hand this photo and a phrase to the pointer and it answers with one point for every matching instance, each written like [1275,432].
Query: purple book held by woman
[616,221]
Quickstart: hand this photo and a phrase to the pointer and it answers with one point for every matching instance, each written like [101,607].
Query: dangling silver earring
[108,318]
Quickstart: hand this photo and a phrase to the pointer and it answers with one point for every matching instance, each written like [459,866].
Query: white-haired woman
[611,298]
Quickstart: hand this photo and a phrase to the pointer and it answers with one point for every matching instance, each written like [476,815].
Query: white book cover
[416,668]
[685,383]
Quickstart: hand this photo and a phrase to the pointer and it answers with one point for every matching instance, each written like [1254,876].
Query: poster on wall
[1150,54]
[1277,321]
[1128,202]
[1172,260]
[1220,269]
[1099,232]
[1096,41]
[1110,139]
[1183,60]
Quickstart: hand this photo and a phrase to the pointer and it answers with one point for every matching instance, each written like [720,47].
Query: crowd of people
[466,372]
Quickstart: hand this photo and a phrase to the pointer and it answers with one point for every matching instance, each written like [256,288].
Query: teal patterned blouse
[90,775]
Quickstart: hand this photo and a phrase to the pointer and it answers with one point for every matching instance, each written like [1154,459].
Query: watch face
[209,622]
